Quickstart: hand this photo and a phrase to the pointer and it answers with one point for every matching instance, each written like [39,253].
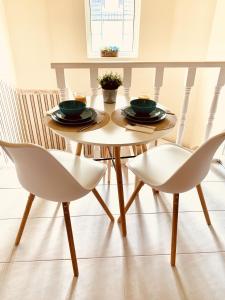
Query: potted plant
[110,83]
[111,51]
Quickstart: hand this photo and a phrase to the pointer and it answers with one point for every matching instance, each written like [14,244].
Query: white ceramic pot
[109,96]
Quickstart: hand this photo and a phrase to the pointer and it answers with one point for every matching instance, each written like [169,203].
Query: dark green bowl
[72,107]
[143,106]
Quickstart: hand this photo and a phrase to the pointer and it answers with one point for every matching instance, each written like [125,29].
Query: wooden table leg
[144,148]
[120,190]
[78,149]
[139,150]
[134,149]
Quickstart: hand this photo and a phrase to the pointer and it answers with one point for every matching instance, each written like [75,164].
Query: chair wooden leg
[155,191]
[144,148]
[104,206]
[109,171]
[78,149]
[132,197]
[24,219]
[174,229]
[204,207]
[70,237]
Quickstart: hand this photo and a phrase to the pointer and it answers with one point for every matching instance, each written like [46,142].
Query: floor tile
[113,267]
[216,173]
[14,201]
[187,281]
[148,234]
[131,278]
[54,280]
[9,178]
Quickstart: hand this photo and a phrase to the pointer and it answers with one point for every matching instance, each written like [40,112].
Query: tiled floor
[112,267]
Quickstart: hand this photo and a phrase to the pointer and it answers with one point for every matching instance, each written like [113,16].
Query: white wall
[31,42]
[155,29]
[7,72]
[191,29]
[46,31]
[54,30]
[66,20]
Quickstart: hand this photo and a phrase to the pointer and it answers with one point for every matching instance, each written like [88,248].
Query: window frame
[122,54]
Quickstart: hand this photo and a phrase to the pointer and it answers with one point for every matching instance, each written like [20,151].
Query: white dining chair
[172,169]
[56,176]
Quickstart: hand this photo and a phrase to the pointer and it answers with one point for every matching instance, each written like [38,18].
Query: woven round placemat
[167,123]
[101,120]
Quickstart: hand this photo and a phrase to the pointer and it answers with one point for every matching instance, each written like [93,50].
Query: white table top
[111,134]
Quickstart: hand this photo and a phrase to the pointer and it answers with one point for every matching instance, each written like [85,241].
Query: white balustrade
[219,85]
[189,84]
[158,82]
[93,80]
[129,66]
[127,73]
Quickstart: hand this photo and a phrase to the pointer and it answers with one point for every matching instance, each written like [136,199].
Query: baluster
[213,107]
[158,82]
[127,73]
[94,81]
[189,84]
[61,83]
[64,94]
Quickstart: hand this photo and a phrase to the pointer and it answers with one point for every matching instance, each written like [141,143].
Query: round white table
[111,135]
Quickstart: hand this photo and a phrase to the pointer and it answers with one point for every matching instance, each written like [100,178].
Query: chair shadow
[160,199]
[71,289]
[106,238]
[216,238]
[128,274]
[46,238]
[39,207]
[179,284]
[7,265]
[14,249]
[105,193]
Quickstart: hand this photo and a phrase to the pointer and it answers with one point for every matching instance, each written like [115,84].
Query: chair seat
[156,166]
[87,172]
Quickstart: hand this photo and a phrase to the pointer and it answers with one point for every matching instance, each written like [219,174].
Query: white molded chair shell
[54,175]
[173,169]
[58,176]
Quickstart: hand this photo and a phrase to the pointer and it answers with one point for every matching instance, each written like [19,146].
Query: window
[112,23]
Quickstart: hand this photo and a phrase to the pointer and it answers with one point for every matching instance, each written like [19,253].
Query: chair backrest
[195,168]
[41,174]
